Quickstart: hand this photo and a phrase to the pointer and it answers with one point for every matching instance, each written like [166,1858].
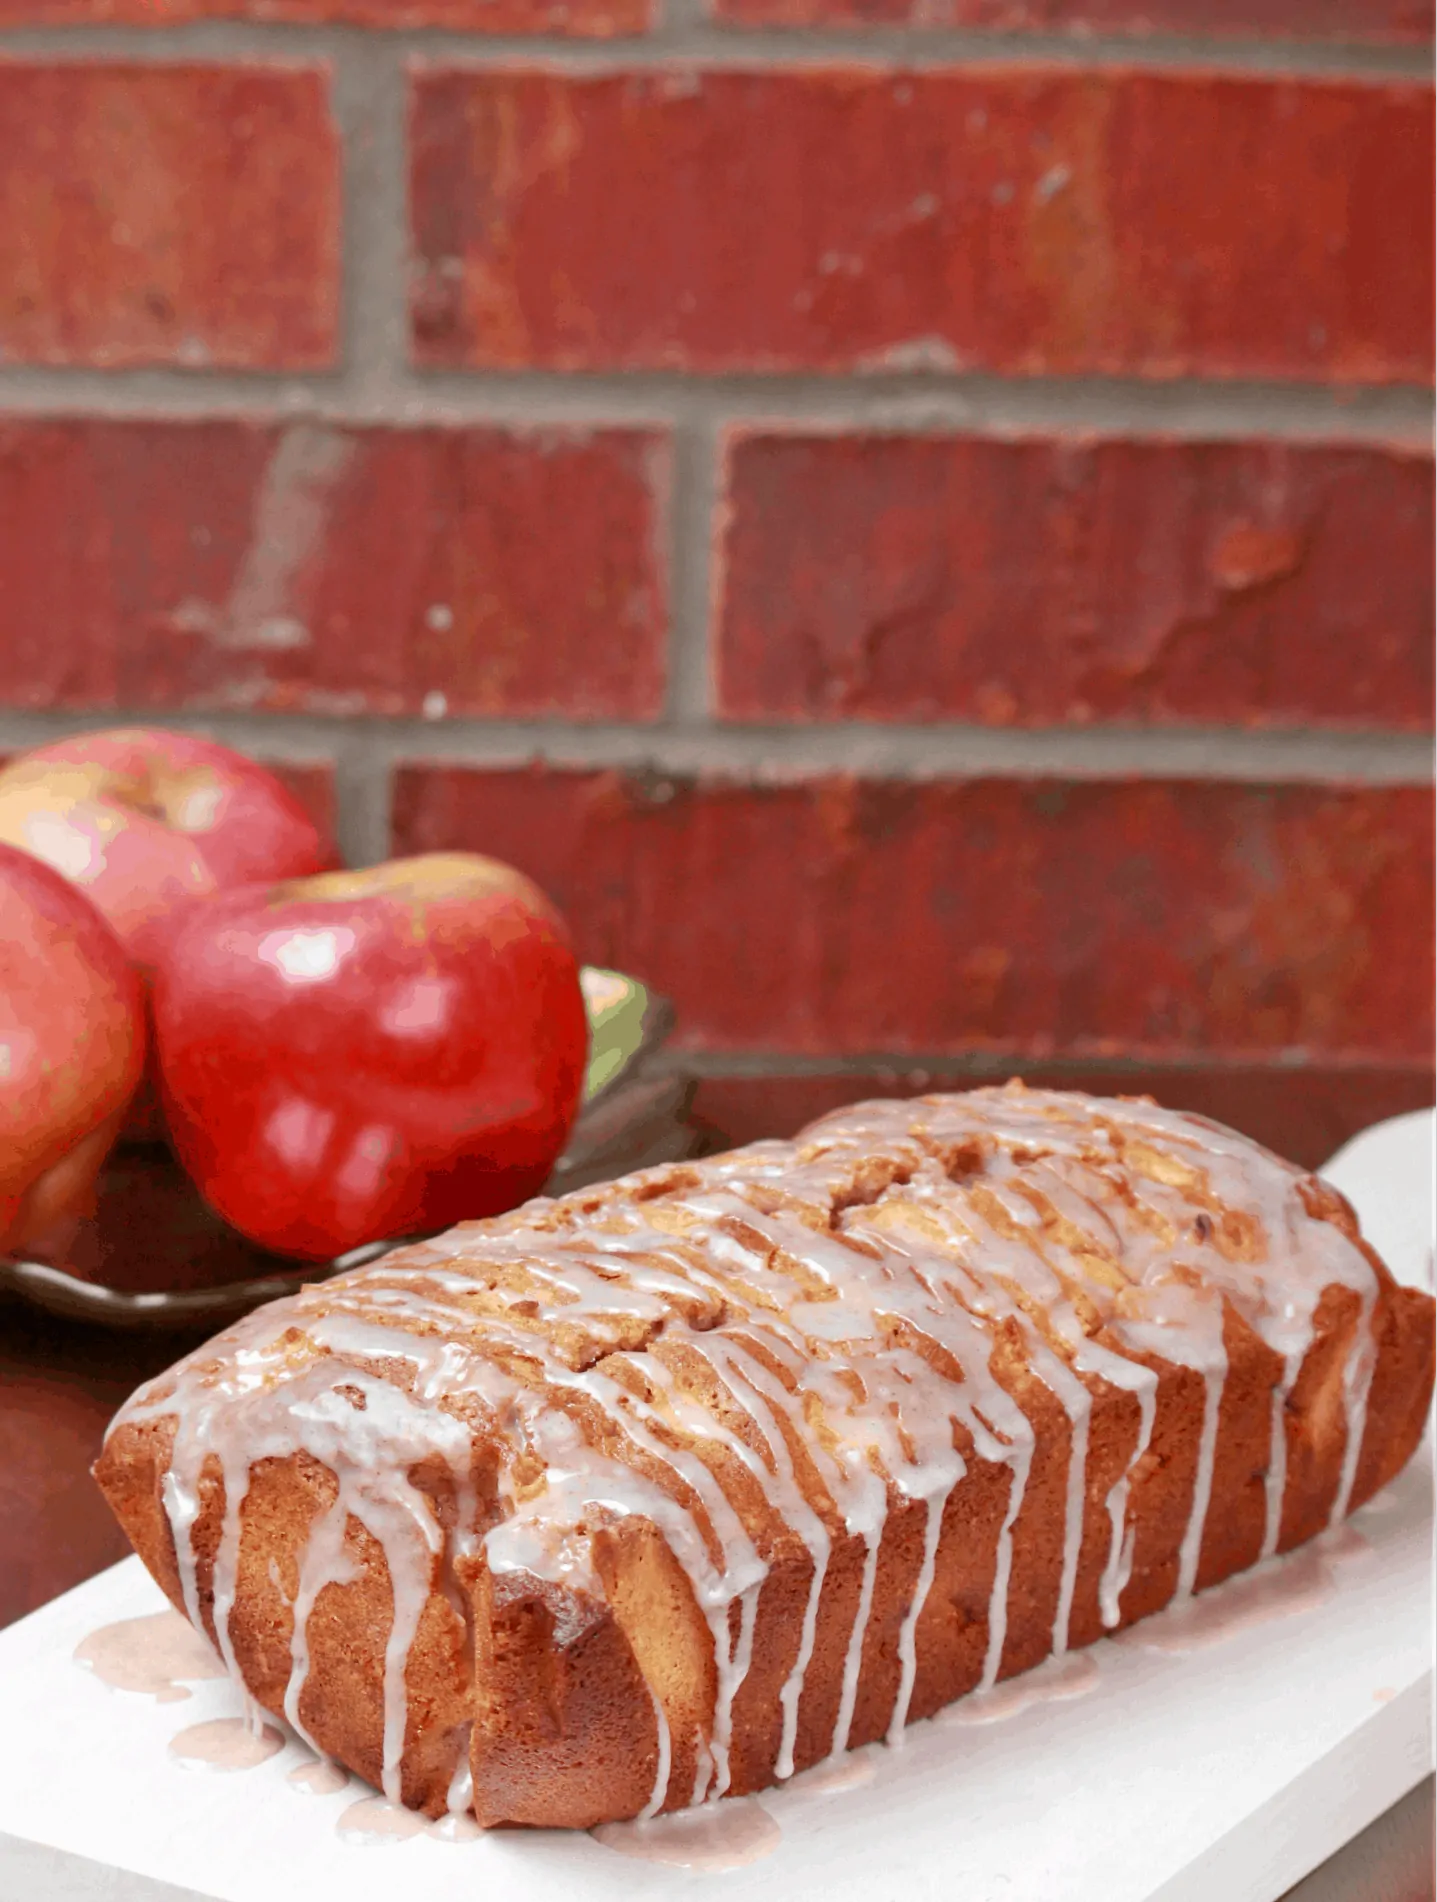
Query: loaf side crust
[559,1668]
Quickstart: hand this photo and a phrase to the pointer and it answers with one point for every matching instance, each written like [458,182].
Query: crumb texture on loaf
[668,1488]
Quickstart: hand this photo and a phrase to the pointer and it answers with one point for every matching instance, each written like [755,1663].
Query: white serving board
[1227,1771]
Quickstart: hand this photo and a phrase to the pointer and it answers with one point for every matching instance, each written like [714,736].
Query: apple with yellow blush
[144,821]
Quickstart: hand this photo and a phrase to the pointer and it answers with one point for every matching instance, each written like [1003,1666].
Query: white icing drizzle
[853,1657]
[1356,1386]
[743,1573]
[1076,1402]
[1275,1483]
[664,1765]
[1002,1572]
[323,1563]
[907,1637]
[731,1675]
[800,1516]
[182,1508]
[460,1797]
[1122,1541]
[409,1522]
[309,1413]
[877,1262]
[1191,1549]
[235,1473]
[1072,1519]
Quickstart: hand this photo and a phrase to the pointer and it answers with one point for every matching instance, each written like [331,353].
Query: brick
[587,18]
[168,215]
[1305,1113]
[1028,220]
[1059,581]
[1046,918]
[314,569]
[1397,22]
[1393,22]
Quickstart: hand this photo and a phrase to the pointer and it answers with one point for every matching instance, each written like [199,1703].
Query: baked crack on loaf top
[673,1486]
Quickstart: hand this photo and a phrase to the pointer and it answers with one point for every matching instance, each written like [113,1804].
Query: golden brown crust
[566,1691]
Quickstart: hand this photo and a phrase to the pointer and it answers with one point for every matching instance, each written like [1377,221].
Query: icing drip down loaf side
[674,1486]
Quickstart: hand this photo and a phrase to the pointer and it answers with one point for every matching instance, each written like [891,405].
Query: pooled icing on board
[373,1820]
[713,1837]
[160,1654]
[844,1296]
[1056,1680]
[227,1743]
[318,1777]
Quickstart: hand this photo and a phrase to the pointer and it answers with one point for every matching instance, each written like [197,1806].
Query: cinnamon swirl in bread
[676,1485]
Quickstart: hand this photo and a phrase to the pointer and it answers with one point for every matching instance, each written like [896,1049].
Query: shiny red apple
[370,1054]
[144,820]
[72,1049]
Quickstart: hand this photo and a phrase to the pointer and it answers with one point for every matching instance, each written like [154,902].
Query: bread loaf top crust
[778,1344]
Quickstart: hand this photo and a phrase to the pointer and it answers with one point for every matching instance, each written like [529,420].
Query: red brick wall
[914,520]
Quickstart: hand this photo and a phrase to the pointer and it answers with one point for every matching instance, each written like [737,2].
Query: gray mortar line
[363,786]
[777,754]
[378,390]
[690,687]
[761,1065]
[679,18]
[688,35]
[369,106]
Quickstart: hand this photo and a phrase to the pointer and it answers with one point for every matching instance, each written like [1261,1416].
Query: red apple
[72,1049]
[144,820]
[370,1054]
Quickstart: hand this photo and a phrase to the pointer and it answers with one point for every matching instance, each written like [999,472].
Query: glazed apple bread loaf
[674,1486]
